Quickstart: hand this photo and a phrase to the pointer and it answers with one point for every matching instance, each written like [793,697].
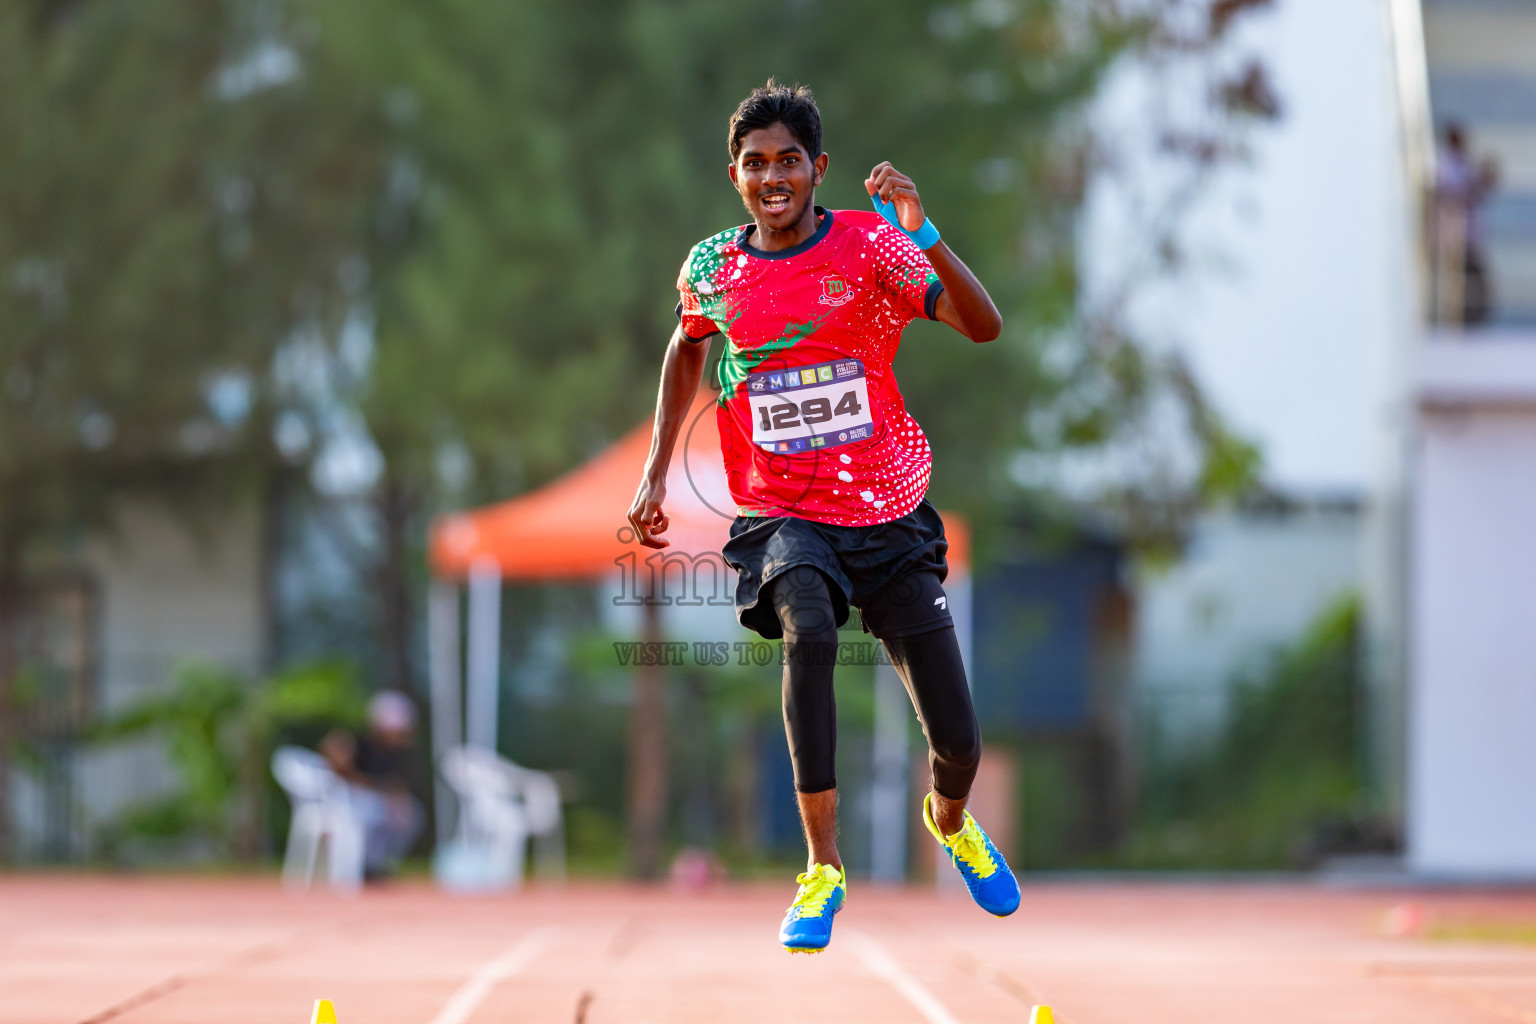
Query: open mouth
[776,202]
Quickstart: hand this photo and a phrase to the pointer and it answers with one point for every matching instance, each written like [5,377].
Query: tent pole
[443,643]
[648,751]
[888,796]
[484,654]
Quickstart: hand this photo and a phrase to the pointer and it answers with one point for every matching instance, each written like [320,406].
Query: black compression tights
[929,666]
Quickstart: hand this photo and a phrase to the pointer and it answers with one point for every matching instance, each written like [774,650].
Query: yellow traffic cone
[1041,1015]
[325,1013]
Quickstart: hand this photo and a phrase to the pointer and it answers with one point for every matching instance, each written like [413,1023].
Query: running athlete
[827,469]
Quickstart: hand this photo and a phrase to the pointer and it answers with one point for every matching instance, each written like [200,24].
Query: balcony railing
[1483,278]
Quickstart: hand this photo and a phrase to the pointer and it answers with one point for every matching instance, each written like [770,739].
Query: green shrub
[1286,767]
[219,728]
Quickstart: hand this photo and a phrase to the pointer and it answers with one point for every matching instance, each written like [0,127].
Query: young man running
[827,469]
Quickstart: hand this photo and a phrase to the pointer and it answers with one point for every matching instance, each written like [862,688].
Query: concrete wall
[1472,721]
[1247,584]
[167,596]
[1297,260]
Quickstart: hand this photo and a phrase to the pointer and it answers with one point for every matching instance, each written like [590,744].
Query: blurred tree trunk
[396,513]
[281,483]
[744,787]
[10,657]
[648,757]
[250,812]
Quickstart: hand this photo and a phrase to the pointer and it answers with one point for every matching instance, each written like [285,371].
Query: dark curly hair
[792,106]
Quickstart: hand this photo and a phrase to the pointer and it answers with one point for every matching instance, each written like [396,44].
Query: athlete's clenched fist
[892,186]
[646,516]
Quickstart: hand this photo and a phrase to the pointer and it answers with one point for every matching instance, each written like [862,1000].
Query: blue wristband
[925,237]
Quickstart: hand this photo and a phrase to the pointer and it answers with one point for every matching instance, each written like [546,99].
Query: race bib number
[810,407]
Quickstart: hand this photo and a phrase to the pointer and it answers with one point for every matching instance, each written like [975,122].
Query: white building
[1291,310]
[1318,345]
[1471,735]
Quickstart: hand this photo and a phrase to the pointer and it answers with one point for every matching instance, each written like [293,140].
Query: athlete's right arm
[681,371]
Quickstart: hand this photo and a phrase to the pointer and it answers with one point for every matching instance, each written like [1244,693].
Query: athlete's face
[776,177]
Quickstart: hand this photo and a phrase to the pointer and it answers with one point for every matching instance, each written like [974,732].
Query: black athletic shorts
[873,568]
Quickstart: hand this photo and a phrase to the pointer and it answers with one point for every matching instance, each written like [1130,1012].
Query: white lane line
[479,985]
[884,966]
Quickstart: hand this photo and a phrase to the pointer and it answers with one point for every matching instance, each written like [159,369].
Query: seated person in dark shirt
[374,764]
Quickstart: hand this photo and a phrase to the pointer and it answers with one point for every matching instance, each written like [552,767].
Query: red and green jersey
[812,424]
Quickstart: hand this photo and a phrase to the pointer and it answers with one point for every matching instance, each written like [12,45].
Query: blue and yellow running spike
[979,862]
[807,925]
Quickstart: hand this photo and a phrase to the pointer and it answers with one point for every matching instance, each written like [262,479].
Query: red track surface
[166,951]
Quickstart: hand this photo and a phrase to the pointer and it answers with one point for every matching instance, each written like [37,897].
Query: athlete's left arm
[963,304]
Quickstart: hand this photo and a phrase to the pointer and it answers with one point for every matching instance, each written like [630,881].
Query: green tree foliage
[543,171]
[460,222]
[548,169]
[161,233]
[143,275]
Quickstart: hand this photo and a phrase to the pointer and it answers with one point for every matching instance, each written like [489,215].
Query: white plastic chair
[501,807]
[322,813]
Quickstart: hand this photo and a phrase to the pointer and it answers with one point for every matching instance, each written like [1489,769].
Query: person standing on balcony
[1461,187]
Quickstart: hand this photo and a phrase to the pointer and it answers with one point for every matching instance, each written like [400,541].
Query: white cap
[391,711]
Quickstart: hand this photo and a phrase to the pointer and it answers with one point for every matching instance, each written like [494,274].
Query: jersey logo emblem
[835,290]
[942,602]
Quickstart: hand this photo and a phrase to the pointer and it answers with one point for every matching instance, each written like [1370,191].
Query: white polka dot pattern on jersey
[847,296]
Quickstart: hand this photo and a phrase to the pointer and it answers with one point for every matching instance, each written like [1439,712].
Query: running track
[203,951]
